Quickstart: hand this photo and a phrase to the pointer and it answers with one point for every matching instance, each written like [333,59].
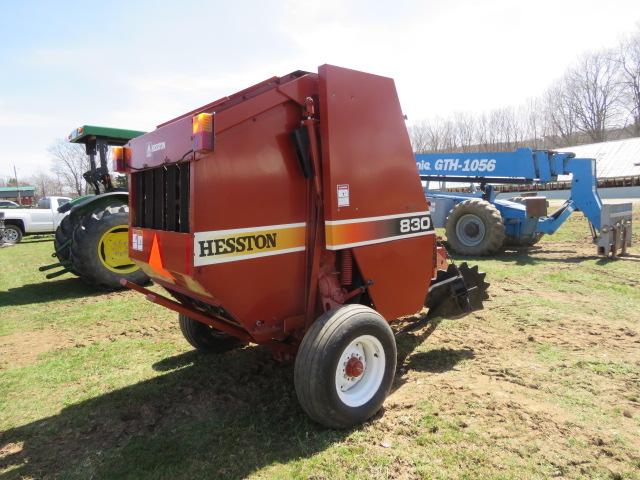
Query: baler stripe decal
[369,231]
[375,219]
[223,246]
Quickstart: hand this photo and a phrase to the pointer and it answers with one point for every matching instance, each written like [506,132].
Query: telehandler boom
[477,223]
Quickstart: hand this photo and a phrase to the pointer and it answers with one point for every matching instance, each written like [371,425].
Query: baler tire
[491,221]
[323,349]
[206,339]
[84,254]
[17,234]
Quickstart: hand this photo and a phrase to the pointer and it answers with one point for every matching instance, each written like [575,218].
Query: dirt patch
[22,348]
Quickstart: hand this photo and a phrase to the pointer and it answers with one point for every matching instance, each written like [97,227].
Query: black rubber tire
[524,242]
[84,252]
[493,226]
[318,357]
[17,230]
[207,339]
[64,233]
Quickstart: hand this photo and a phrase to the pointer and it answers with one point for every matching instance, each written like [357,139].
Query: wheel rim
[470,230]
[10,235]
[113,250]
[360,371]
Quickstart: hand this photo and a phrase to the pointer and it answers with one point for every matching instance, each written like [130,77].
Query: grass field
[544,382]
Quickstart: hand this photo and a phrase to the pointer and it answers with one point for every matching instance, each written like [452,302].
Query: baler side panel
[365,146]
[253,180]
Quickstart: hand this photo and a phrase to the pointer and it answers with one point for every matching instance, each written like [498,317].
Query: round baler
[291,215]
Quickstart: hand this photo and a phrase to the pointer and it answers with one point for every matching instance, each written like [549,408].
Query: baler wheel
[475,227]
[345,366]
[206,339]
[99,250]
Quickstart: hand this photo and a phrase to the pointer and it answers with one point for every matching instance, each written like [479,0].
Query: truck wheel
[99,251]
[12,234]
[475,227]
[205,338]
[345,366]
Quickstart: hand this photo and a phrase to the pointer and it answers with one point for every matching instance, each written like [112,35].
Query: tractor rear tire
[99,247]
[475,227]
[345,366]
[63,238]
[207,339]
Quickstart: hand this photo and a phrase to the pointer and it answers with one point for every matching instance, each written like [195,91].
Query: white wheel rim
[366,352]
[10,235]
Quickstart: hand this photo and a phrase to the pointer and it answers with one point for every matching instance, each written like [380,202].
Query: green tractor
[92,240]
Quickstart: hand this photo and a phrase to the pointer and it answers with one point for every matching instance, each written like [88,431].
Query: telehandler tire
[99,251]
[524,242]
[345,366]
[205,338]
[475,227]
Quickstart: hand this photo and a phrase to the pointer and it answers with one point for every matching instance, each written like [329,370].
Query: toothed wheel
[457,291]
[475,283]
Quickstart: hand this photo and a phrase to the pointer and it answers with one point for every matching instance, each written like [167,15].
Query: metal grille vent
[162,198]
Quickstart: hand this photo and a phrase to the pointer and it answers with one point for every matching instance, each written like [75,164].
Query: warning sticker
[136,241]
[343,195]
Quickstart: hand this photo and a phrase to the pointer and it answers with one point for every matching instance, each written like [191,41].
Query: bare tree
[559,113]
[69,163]
[418,135]
[593,93]
[629,61]
[46,184]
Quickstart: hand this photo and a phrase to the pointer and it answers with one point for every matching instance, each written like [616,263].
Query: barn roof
[619,158]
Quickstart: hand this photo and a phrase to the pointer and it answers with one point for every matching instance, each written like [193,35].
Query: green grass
[544,382]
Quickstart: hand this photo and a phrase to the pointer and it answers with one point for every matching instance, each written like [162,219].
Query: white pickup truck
[43,218]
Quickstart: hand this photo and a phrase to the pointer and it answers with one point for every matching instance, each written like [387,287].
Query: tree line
[597,99]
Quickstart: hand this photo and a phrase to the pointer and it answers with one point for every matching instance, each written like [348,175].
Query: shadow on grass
[523,257]
[207,416]
[28,240]
[48,291]
[433,361]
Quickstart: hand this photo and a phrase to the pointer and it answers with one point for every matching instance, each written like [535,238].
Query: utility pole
[15,174]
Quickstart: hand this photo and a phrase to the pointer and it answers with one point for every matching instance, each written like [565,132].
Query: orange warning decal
[155,260]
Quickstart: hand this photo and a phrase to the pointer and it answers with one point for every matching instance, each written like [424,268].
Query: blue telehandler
[477,223]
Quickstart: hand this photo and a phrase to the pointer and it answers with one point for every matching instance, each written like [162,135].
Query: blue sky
[138,63]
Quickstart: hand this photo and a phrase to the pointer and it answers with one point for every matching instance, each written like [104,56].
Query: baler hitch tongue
[456,291]
[615,229]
